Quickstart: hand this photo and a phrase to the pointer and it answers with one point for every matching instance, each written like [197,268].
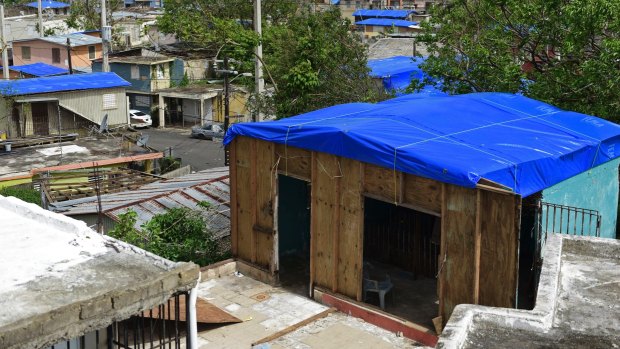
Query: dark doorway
[294,234]
[401,250]
[40,119]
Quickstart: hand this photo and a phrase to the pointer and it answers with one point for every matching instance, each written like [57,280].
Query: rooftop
[577,303]
[383,13]
[76,39]
[390,47]
[61,83]
[60,279]
[39,69]
[48,4]
[519,143]
[81,153]
[387,22]
[138,60]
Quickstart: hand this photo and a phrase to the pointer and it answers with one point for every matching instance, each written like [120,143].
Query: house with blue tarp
[434,200]
[376,22]
[62,104]
[396,74]
[57,7]
[34,70]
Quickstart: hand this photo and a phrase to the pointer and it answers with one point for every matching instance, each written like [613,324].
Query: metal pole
[258,72]
[5,54]
[40,13]
[105,33]
[226,109]
[69,56]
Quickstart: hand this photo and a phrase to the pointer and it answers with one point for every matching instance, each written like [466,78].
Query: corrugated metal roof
[60,83]
[76,39]
[156,189]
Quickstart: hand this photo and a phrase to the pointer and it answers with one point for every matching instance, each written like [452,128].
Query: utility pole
[226,109]
[5,54]
[258,72]
[40,13]
[105,36]
[69,56]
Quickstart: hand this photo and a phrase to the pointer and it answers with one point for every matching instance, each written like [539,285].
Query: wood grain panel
[422,192]
[244,198]
[498,249]
[293,161]
[458,227]
[265,186]
[381,183]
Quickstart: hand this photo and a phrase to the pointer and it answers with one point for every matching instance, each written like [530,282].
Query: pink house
[53,50]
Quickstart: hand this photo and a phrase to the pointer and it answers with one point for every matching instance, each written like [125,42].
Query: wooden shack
[309,184]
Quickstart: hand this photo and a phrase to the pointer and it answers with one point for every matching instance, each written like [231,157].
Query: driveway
[199,153]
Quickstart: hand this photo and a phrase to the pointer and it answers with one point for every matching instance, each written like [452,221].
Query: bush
[25,194]
[180,235]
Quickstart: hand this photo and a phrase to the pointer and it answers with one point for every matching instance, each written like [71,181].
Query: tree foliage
[180,234]
[311,59]
[563,52]
[86,14]
[25,194]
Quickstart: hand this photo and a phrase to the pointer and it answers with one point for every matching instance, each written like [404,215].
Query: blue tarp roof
[397,73]
[39,69]
[48,4]
[386,22]
[521,143]
[60,83]
[383,13]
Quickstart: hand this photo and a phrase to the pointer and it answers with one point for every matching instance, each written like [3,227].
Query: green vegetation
[180,234]
[25,194]
[566,53]
[311,59]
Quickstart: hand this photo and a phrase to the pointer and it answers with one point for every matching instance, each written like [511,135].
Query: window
[26,53]
[55,55]
[109,101]
[160,71]
[135,72]
[91,52]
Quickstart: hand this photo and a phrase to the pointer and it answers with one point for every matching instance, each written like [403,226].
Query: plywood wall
[478,258]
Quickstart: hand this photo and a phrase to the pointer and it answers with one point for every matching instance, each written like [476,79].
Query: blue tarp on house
[397,73]
[523,144]
[387,22]
[39,69]
[383,13]
[60,83]
[48,4]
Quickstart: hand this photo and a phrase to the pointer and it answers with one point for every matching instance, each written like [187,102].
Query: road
[199,153]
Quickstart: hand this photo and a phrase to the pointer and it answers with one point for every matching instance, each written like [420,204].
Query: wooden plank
[324,201]
[294,162]
[381,183]
[422,193]
[264,200]
[313,223]
[336,230]
[460,224]
[351,223]
[441,279]
[253,203]
[294,327]
[244,201]
[498,249]
[477,242]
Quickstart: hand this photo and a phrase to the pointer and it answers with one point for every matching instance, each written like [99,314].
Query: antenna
[141,142]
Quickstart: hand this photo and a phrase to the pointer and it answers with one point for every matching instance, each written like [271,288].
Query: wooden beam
[477,243]
[313,221]
[336,231]
[253,199]
[294,327]
[442,250]
[360,249]
[232,170]
[401,187]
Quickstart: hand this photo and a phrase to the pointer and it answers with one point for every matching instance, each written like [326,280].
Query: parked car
[139,119]
[208,131]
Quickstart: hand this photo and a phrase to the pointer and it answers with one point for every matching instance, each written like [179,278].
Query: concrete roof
[61,280]
[576,305]
[138,60]
[24,161]
[389,47]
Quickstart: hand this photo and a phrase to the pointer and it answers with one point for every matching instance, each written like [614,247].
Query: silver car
[208,131]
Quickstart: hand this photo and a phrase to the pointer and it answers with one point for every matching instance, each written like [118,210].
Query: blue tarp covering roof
[397,73]
[386,22]
[335,2]
[60,83]
[38,69]
[48,4]
[383,13]
[521,143]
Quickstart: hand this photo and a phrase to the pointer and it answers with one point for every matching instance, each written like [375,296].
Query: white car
[139,119]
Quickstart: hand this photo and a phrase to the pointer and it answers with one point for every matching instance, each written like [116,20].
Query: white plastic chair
[376,286]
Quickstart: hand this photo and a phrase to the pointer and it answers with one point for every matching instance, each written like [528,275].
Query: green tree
[311,58]
[86,14]
[25,194]
[180,234]
[563,52]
